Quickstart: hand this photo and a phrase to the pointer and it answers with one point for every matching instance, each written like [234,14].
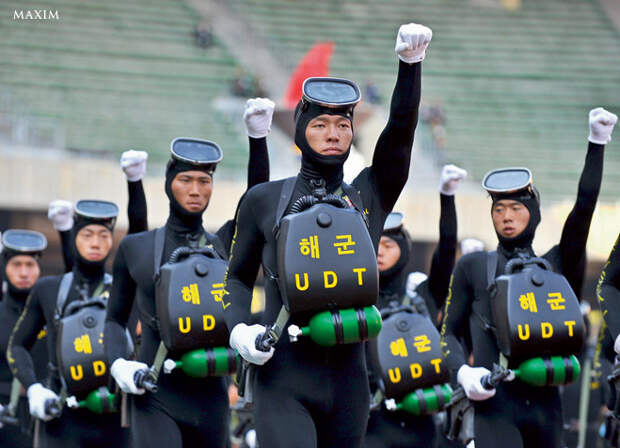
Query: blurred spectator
[203,34]
[434,116]
[371,93]
[245,85]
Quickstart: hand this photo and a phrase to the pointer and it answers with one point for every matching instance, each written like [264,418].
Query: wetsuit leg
[282,421]
[492,431]
[83,429]
[162,429]
[399,431]
[184,412]
[542,423]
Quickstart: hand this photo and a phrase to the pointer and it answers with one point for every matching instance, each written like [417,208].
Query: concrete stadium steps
[117,75]
[515,86]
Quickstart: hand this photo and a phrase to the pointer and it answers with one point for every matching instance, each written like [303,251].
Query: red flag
[314,63]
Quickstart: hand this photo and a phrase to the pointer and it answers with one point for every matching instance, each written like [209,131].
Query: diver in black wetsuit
[608,292]
[20,265]
[306,395]
[75,427]
[60,212]
[394,429]
[515,414]
[185,411]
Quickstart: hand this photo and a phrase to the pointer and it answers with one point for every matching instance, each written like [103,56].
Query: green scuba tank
[549,370]
[99,401]
[202,363]
[340,326]
[423,401]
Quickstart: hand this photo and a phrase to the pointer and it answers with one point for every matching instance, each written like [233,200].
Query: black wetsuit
[608,291]
[533,416]
[396,429]
[185,411]
[76,427]
[307,395]
[10,309]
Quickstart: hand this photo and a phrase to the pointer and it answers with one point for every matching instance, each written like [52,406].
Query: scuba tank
[549,370]
[99,401]
[202,363]
[423,401]
[340,326]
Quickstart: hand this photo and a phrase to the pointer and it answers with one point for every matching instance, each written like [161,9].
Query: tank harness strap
[158,251]
[441,399]
[548,369]
[63,293]
[338,329]
[285,197]
[422,402]
[160,357]
[362,324]
[568,369]
[356,200]
[491,267]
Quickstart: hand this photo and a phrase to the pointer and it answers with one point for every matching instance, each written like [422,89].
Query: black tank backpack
[80,352]
[407,361]
[537,321]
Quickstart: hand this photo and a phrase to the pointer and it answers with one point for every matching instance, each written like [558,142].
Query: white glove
[37,396]
[243,338]
[471,445]
[257,116]
[617,345]
[601,125]
[469,378]
[469,245]
[411,42]
[123,372]
[133,164]
[61,214]
[413,281]
[1,247]
[451,176]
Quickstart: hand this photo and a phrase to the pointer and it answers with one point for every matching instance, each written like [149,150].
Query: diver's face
[388,254]
[329,135]
[22,271]
[510,218]
[192,190]
[94,242]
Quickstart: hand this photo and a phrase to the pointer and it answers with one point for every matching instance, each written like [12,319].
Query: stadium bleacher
[515,85]
[116,75]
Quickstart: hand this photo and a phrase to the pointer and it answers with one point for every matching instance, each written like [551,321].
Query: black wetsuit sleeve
[608,291]
[455,318]
[245,259]
[258,172]
[258,165]
[392,156]
[577,224]
[119,308]
[443,257]
[23,337]
[67,249]
[136,208]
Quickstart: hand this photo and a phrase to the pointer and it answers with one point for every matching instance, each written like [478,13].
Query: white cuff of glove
[411,42]
[469,378]
[451,176]
[61,214]
[617,345]
[133,163]
[602,125]
[243,339]
[37,396]
[123,372]
[257,117]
